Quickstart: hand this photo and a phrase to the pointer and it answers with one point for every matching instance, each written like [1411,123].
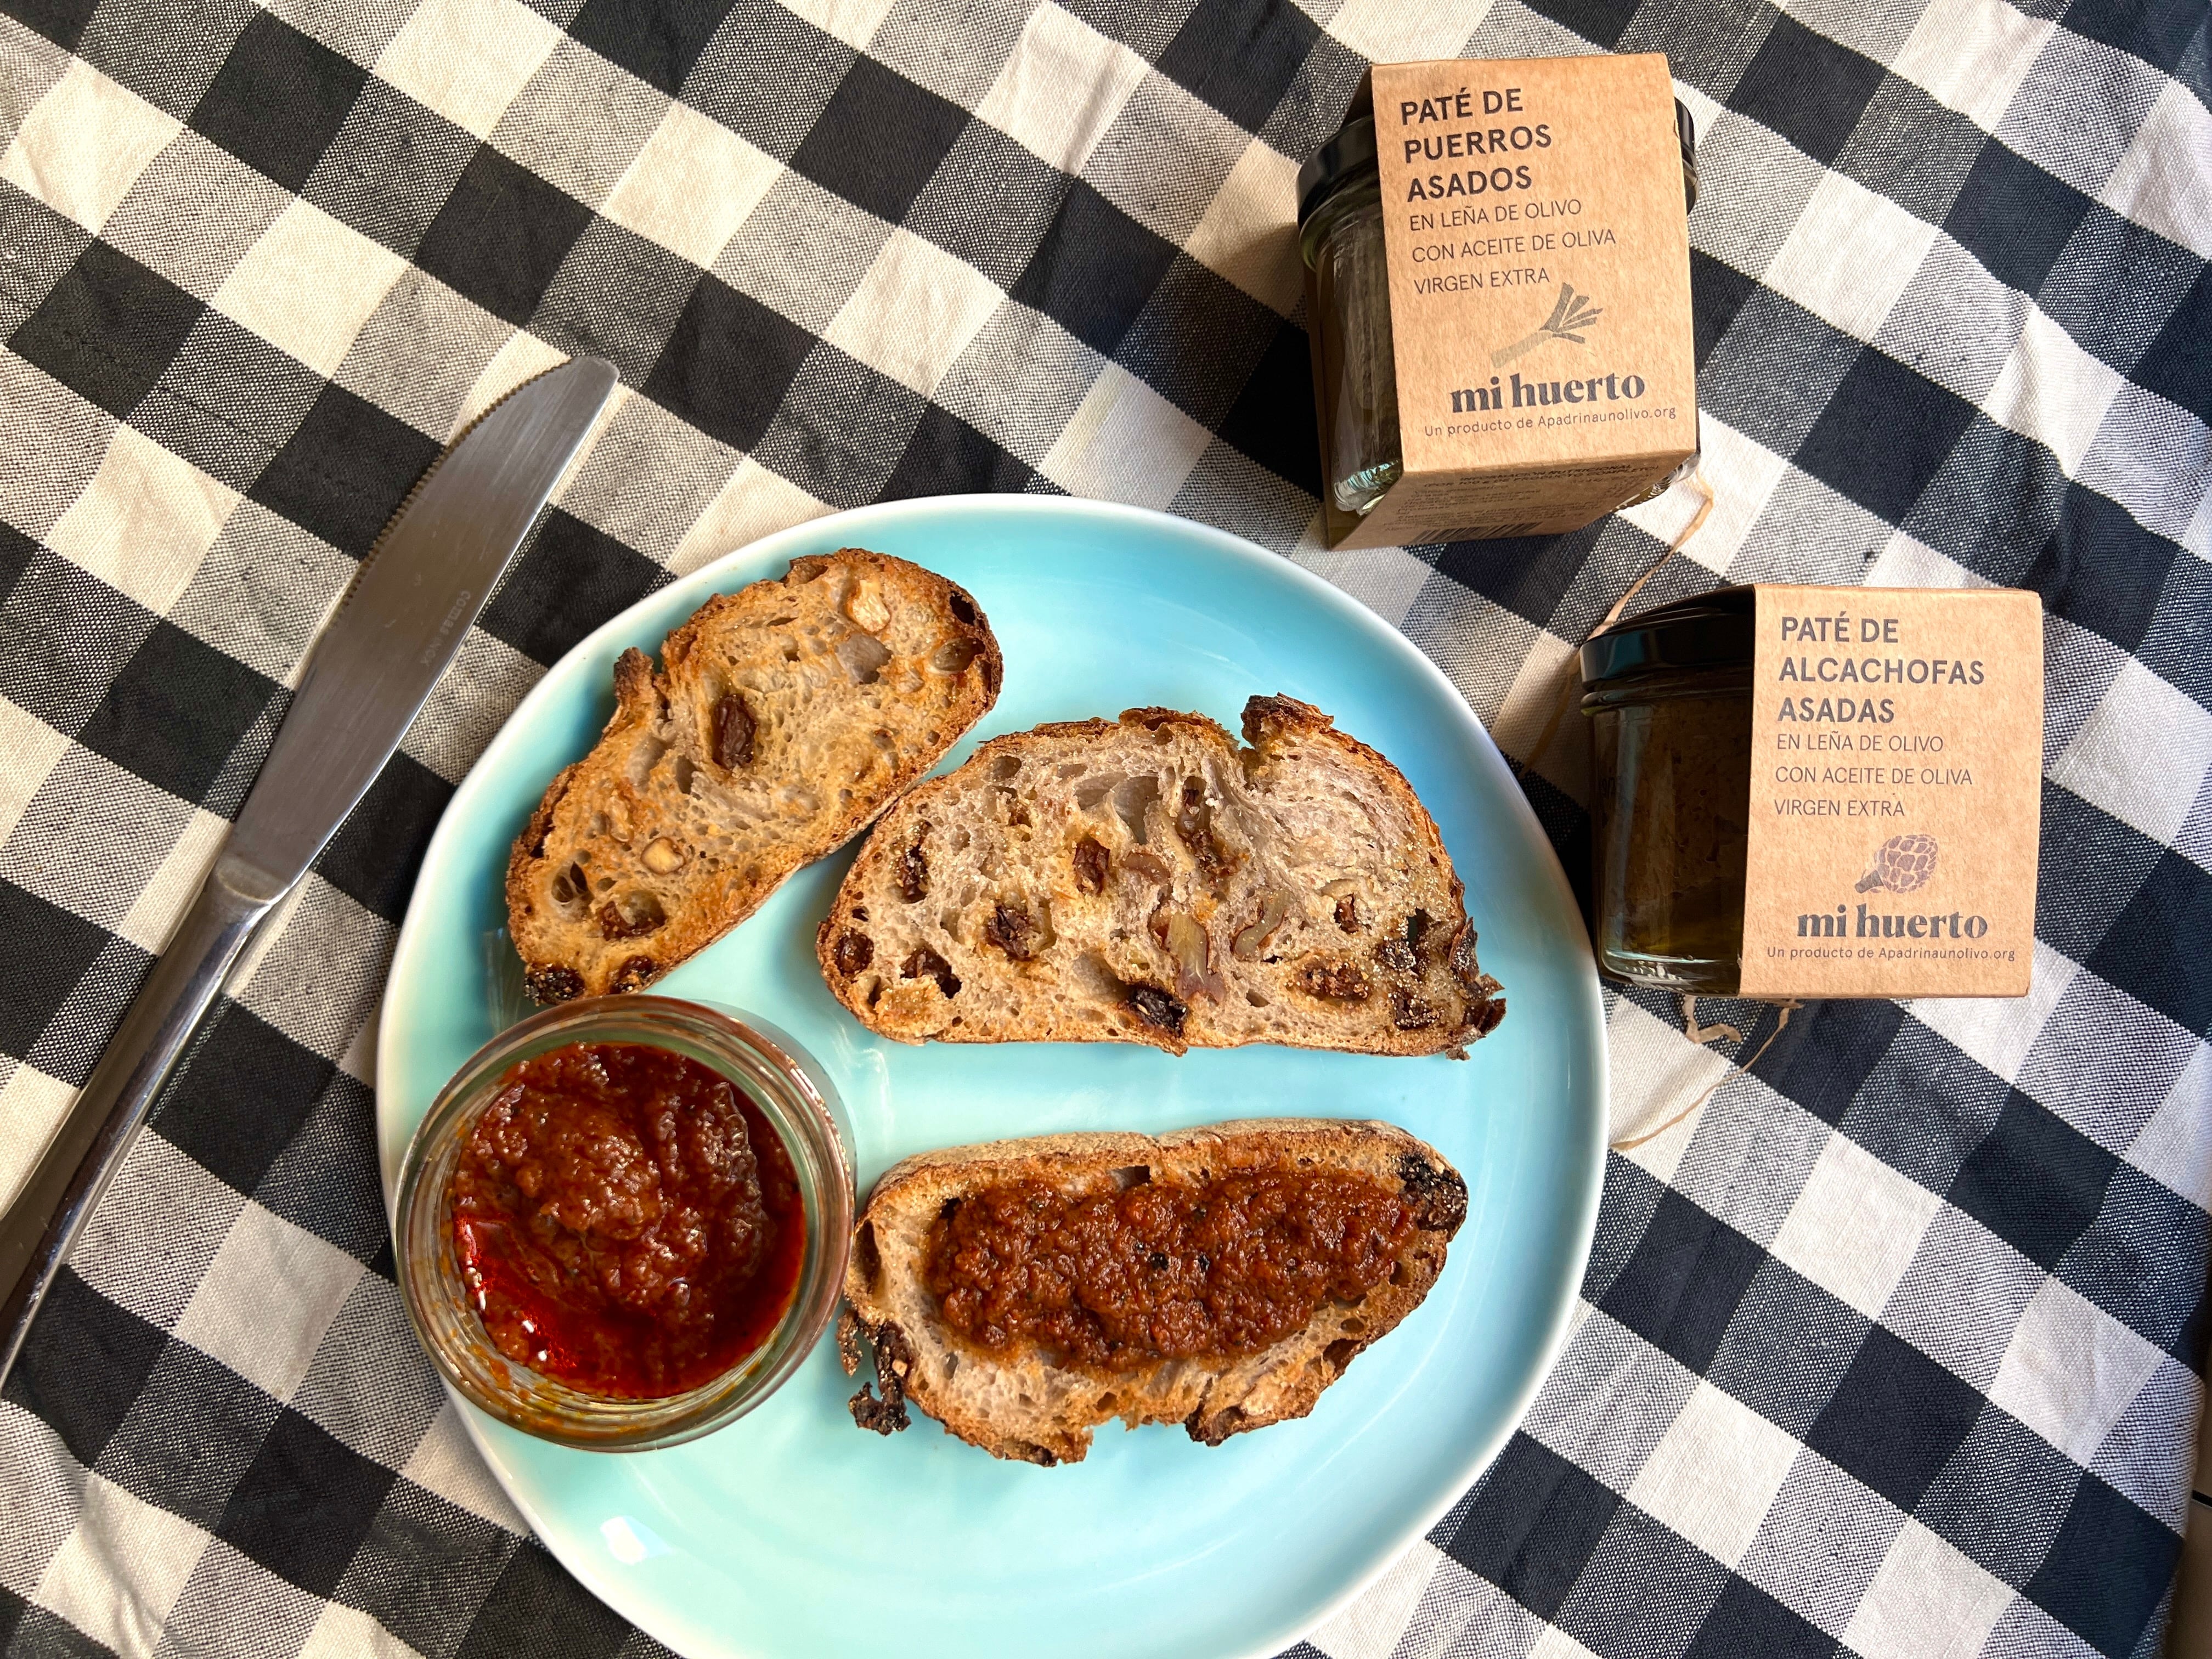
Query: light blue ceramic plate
[791,1533]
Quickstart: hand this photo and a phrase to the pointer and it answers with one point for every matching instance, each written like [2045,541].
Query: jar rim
[1350,153]
[793,1095]
[1713,629]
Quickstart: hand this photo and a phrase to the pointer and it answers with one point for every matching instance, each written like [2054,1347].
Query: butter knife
[370,671]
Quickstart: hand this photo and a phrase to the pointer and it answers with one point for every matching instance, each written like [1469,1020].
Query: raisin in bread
[1147,880]
[783,718]
[1015,1401]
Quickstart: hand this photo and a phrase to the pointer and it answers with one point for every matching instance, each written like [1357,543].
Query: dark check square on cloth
[1894,1348]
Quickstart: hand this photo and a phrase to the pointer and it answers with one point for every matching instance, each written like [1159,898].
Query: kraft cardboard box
[1896,791]
[1537,240]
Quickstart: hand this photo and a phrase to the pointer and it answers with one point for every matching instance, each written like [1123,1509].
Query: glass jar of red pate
[742,1145]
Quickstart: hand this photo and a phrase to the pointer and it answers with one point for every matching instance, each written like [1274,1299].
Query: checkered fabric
[1894,1347]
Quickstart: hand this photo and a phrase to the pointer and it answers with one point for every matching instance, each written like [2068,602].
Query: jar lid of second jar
[1351,151]
[1706,631]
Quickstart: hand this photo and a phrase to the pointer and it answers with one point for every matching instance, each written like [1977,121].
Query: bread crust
[1021,1408]
[853,674]
[1292,891]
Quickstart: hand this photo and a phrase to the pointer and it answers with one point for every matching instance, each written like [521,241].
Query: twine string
[1631,1142]
[1698,1033]
[1570,678]
[1561,704]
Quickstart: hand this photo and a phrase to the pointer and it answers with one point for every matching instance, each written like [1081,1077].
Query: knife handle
[41,1225]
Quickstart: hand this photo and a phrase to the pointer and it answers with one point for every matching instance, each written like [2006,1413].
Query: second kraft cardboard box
[1537,239]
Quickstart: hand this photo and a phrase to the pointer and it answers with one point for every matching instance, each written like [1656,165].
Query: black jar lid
[1708,630]
[1351,154]
[1686,130]
[1352,150]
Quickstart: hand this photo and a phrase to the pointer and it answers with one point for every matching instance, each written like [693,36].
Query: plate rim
[617,1592]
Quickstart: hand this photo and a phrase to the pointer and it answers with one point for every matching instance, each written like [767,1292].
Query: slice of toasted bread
[1149,881]
[784,717]
[1013,1403]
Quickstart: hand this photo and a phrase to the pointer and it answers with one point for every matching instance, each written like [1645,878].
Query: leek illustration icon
[1573,311]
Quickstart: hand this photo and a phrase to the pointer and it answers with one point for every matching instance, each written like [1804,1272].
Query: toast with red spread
[1025,1291]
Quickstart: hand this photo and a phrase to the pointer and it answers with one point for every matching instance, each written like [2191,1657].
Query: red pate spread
[1118,1279]
[625,1221]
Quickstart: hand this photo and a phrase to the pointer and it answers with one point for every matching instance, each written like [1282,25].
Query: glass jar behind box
[1668,697]
[1340,237]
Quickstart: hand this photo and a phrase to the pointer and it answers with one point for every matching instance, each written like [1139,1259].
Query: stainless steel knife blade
[402,622]
[396,630]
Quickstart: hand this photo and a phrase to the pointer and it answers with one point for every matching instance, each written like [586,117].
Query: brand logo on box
[1539,394]
[1903,864]
[1872,924]
[1572,316]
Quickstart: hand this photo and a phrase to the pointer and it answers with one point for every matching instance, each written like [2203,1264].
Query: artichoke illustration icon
[1901,865]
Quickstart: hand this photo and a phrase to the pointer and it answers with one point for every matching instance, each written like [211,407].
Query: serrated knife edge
[407,611]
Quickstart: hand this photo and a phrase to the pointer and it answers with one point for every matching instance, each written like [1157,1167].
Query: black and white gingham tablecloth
[1894,1347]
